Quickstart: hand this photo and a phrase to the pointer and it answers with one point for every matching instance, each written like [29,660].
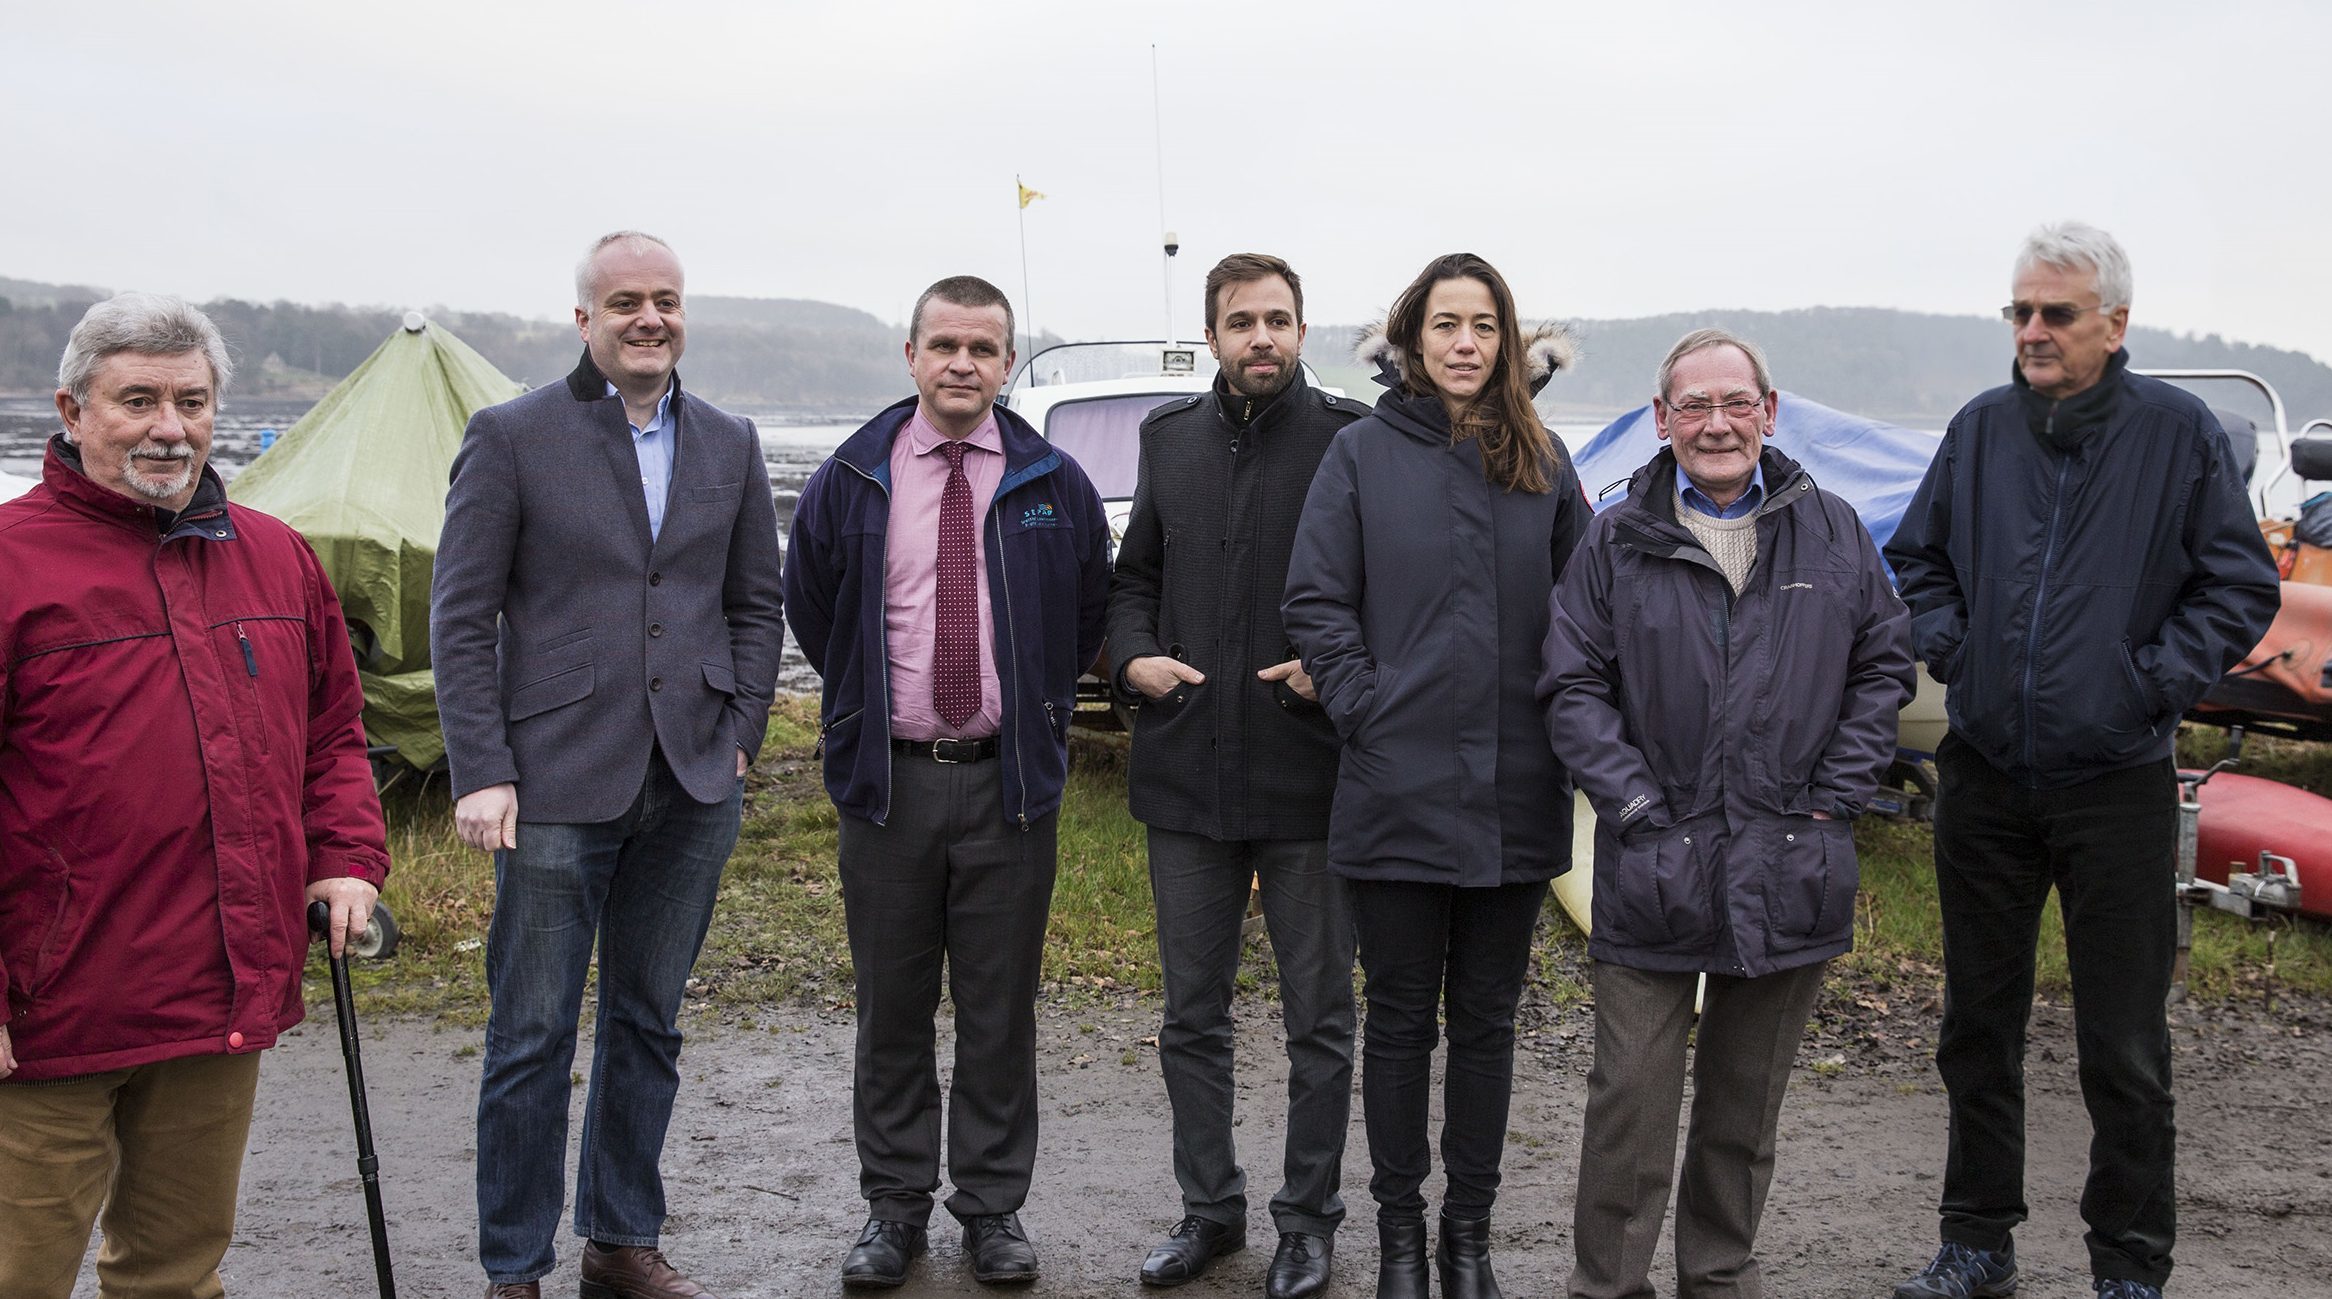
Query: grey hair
[148,324]
[584,269]
[1700,340]
[2078,246]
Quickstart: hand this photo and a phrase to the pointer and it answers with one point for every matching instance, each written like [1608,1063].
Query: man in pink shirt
[946,578]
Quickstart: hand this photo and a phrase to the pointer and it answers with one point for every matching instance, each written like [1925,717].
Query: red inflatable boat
[2244,815]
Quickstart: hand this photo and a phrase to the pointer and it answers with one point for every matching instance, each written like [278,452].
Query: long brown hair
[1517,451]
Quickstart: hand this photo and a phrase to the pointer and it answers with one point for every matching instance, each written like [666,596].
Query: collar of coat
[2065,424]
[204,518]
[1241,411]
[1026,453]
[1647,518]
[1423,418]
[586,383]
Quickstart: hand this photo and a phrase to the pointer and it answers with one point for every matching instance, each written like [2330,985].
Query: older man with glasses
[1723,668]
[2081,564]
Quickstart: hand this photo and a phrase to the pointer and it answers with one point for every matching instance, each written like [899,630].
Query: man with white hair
[182,773]
[2081,564]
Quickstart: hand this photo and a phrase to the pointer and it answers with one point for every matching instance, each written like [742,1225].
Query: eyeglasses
[1697,411]
[2056,315]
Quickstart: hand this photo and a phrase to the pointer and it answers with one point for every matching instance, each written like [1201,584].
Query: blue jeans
[654,871]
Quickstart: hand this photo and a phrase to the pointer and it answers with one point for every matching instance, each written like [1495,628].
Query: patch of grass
[778,936]
[1899,932]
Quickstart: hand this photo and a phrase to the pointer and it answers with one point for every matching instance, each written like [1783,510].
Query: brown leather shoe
[635,1272]
[514,1290]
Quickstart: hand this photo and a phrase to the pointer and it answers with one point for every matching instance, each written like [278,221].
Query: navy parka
[1707,727]
[1417,595]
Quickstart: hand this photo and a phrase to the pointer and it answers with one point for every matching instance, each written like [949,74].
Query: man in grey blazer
[605,624]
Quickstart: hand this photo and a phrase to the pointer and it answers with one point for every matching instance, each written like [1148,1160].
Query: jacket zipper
[1004,579]
[258,706]
[2040,592]
[882,654]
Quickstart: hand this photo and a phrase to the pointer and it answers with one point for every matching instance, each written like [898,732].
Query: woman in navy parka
[1417,597]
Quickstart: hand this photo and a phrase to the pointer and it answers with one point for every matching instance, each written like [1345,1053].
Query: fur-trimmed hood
[1551,348]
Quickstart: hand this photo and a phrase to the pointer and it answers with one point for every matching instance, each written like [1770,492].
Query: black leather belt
[948,750]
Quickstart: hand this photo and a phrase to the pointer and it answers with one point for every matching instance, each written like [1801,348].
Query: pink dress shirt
[911,576]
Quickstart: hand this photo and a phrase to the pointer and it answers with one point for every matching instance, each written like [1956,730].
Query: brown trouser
[158,1147]
[1747,1041]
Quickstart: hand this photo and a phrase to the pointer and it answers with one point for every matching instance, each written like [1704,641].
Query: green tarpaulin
[363,476]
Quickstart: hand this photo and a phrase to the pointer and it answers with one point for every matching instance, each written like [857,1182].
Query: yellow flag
[1027,195]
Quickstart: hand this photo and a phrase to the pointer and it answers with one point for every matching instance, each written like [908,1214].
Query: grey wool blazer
[567,645]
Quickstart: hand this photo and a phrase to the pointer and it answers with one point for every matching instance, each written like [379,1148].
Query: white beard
[135,473]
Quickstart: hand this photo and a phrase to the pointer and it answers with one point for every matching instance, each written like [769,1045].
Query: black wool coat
[1199,576]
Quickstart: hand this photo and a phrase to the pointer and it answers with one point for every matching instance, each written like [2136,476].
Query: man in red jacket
[181,772]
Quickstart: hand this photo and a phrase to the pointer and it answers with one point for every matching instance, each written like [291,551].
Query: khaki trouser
[1743,1048]
[158,1147]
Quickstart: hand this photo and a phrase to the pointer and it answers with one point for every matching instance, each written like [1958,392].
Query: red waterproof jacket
[180,757]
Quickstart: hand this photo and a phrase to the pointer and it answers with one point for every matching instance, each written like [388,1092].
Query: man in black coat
[2081,565]
[1233,768]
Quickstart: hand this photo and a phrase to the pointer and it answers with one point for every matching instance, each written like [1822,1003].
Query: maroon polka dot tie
[955,660]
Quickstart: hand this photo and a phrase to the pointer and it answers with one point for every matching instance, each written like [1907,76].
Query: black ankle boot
[1463,1257]
[1401,1259]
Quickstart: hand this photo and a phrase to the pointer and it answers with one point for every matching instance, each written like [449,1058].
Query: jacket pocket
[2141,707]
[54,933]
[721,678]
[1352,722]
[1170,705]
[838,739]
[557,690]
[1664,887]
[1809,896]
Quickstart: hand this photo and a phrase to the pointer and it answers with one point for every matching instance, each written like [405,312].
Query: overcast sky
[1613,159]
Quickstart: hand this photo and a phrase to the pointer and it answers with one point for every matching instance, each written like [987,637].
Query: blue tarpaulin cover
[1874,466]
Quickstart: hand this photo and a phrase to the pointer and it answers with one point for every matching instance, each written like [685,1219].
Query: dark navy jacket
[1417,595]
[1707,727]
[2077,602]
[1047,545]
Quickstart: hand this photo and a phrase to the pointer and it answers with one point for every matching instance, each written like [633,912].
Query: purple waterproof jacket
[1706,728]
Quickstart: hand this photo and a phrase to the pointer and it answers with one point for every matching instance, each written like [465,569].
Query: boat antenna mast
[1158,151]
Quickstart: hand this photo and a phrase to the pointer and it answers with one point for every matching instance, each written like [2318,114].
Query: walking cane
[368,1167]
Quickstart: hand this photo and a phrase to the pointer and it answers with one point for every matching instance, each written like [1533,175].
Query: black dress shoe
[1299,1269]
[1401,1270]
[879,1260]
[1186,1251]
[999,1249]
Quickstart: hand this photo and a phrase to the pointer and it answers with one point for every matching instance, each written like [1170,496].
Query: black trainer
[1963,1272]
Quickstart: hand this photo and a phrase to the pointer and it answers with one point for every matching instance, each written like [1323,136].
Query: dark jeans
[1200,885]
[2106,846]
[1430,950]
[948,884]
[653,874]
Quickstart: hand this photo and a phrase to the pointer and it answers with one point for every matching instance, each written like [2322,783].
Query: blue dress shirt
[1750,498]
[653,445]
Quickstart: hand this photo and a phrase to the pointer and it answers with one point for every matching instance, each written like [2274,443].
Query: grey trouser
[1749,1031]
[947,882]
[1200,885]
